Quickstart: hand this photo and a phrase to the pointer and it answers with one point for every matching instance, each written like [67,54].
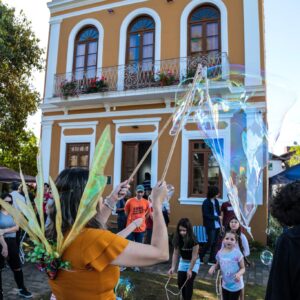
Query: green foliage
[26,156]
[295,159]
[20,55]
[274,231]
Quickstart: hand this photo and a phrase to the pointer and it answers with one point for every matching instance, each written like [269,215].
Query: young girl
[185,246]
[231,262]
[235,226]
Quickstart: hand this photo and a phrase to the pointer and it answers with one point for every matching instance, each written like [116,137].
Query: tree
[295,159]
[20,55]
[26,157]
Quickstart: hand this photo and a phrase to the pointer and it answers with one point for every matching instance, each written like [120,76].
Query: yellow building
[119,63]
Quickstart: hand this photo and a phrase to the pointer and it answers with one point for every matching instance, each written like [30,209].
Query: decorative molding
[92,9]
[123,39]
[52,58]
[252,43]
[46,147]
[64,140]
[71,42]
[141,136]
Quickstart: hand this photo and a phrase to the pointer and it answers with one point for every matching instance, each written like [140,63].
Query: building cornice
[60,6]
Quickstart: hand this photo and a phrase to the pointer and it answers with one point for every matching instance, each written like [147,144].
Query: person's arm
[137,254]
[240,273]
[107,205]
[213,268]
[174,261]
[130,228]
[193,261]
[4,251]
[9,230]
[245,244]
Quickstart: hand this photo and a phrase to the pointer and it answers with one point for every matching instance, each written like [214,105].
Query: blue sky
[282,23]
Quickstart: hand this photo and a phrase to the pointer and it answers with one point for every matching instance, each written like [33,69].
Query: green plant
[96,85]
[274,231]
[68,88]
[166,77]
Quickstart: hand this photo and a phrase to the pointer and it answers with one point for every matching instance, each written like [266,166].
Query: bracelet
[108,204]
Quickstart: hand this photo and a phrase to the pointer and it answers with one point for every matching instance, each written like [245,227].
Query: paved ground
[36,281]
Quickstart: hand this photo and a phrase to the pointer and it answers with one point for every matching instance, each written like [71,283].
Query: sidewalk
[37,282]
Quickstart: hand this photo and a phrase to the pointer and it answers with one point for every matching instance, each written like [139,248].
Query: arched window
[85,56]
[204,31]
[140,43]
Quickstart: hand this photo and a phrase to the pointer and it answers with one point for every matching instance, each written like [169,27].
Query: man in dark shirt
[211,222]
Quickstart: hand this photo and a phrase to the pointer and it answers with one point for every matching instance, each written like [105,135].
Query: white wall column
[52,58]
[252,43]
[46,147]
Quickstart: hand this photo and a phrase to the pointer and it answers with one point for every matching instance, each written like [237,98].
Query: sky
[282,49]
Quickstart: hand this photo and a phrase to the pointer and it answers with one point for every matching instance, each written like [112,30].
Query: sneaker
[136,269]
[122,269]
[24,293]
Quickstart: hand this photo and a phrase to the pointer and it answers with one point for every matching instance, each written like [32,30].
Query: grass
[148,286]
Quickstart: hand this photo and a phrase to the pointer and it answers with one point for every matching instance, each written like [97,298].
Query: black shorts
[13,258]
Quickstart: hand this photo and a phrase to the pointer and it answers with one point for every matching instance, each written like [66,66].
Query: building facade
[119,63]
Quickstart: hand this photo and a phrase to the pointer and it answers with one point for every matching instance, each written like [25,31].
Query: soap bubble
[266,257]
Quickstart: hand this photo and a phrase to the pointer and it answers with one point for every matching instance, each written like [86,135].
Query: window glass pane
[89,34]
[142,24]
[212,43]
[196,31]
[204,13]
[213,171]
[198,173]
[91,72]
[92,60]
[73,161]
[79,62]
[134,40]
[80,49]
[93,47]
[79,73]
[84,160]
[147,51]
[133,53]
[196,45]
[212,29]
[148,38]
[147,65]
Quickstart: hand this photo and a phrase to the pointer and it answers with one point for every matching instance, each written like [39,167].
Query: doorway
[132,153]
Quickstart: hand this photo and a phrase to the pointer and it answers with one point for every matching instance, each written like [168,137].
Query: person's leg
[207,245]
[139,237]
[189,288]
[214,238]
[181,278]
[225,294]
[15,265]
[234,295]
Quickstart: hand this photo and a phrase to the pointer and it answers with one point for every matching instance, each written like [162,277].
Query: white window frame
[67,139]
[188,135]
[141,136]
[71,44]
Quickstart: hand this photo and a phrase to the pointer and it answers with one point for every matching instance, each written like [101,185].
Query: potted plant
[166,77]
[68,88]
[97,85]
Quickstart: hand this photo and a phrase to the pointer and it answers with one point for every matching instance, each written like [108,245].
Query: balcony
[158,77]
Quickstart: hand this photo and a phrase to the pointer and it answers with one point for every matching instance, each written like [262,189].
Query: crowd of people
[142,240]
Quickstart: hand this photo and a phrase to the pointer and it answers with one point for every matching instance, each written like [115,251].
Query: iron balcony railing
[139,75]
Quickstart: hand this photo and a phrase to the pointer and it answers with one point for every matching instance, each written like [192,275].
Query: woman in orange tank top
[96,253]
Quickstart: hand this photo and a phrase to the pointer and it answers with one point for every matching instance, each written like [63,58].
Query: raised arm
[136,254]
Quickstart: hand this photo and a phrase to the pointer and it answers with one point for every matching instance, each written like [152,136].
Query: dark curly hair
[285,205]
[212,192]
[190,238]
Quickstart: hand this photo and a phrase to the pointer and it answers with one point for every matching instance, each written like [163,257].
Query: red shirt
[228,212]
